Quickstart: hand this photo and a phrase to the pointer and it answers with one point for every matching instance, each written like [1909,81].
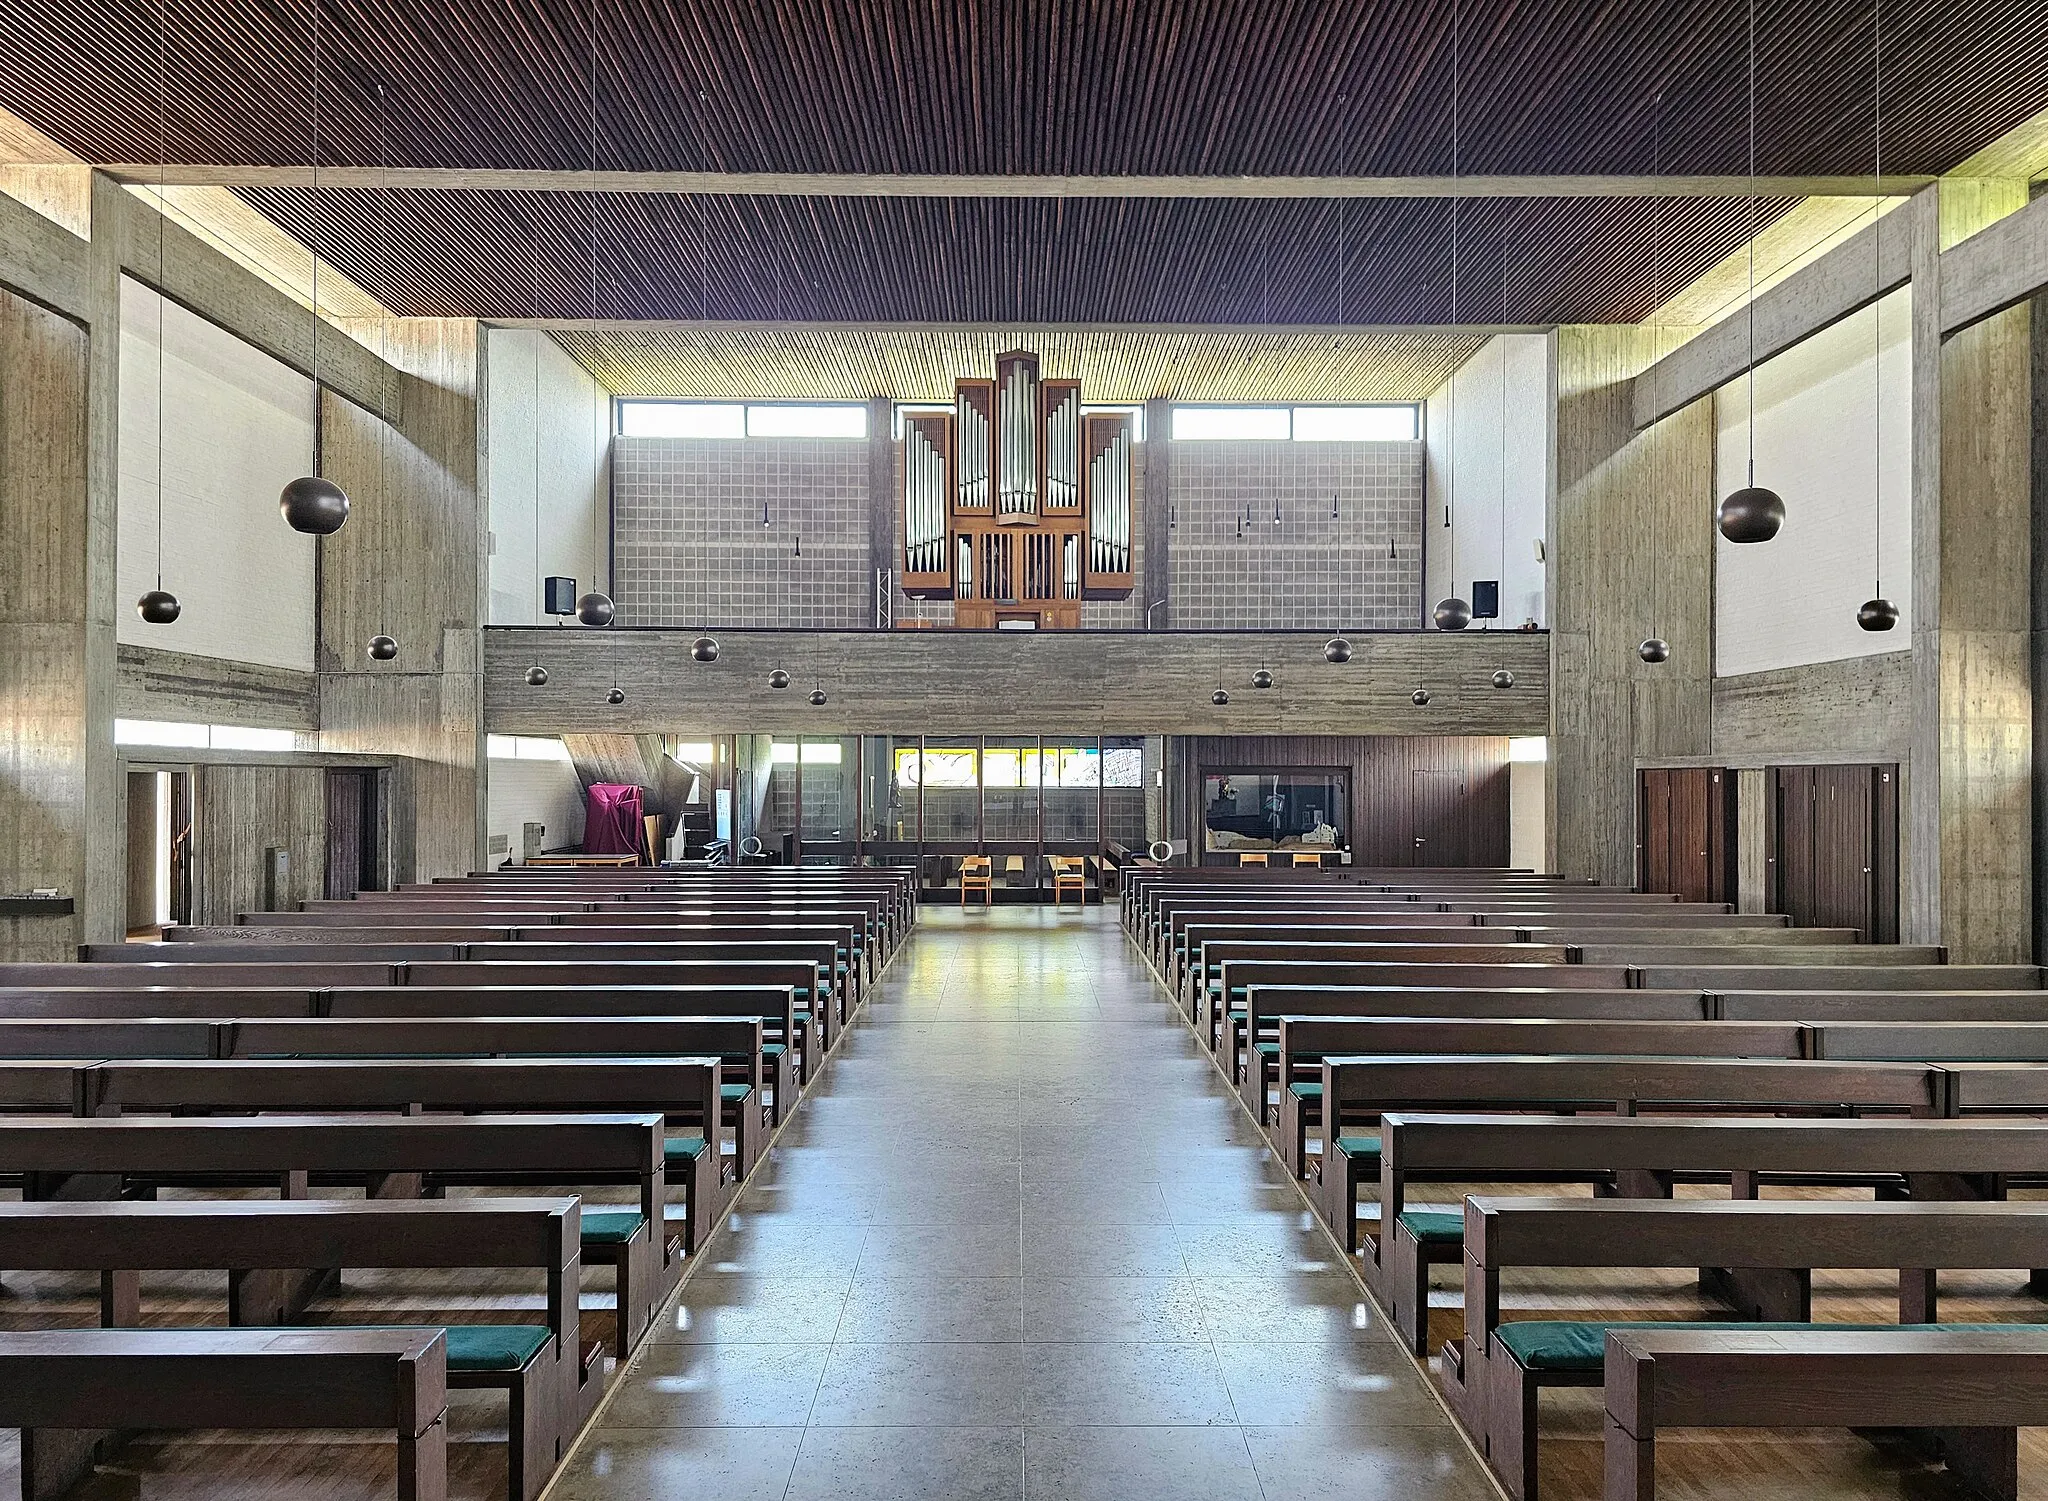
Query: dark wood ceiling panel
[1024,86]
[1198,261]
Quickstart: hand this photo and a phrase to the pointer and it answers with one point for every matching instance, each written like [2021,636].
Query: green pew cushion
[1572,1345]
[1365,1147]
[1307,1090]
[493,1347]
[610,1227]
[1267,1049]
[773,1049]
[1435,1226]
[682,1148]
[734,1091]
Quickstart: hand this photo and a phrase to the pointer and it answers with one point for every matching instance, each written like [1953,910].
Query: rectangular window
[1202,423]
[694,752]
[1391,423]
[816,752]
[837,420]
[1532,748]
[202,736]
[681,419]
[524,748]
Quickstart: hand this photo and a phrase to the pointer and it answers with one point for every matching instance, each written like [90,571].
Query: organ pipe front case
[927,489]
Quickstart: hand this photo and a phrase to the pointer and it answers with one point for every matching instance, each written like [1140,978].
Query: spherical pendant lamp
[1419,698]
[704,649]
[1220,697]
[1877,615]
[778,679]
[158,607]
[818,696]
[1452,614]
[1337,650]
[536,676]
[596,609]
[1751,514]
[1502,678]
[382,648]
[313,505]
[616,697]
[1262,679]
[1656,649]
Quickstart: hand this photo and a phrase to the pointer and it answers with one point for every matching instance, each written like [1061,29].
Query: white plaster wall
[1793,600]
[237,426]
[558,434]
[543,792]
[1497,426]
[1525,816]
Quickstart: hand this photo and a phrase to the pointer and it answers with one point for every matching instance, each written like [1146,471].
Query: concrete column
[1156,517]
[1967,876]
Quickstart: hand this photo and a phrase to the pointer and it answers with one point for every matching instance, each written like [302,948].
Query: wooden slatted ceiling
[1192,261]
[1113,364]
[1024,86]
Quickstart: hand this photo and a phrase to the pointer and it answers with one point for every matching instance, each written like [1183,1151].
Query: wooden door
[1653,826]
[181,846]
[1835,856]
[1685,818]
[1440,813]
[353,853]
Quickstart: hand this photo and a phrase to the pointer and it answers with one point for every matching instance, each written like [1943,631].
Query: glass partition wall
[926,801]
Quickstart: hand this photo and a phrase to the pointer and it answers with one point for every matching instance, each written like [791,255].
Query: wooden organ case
[1017,505]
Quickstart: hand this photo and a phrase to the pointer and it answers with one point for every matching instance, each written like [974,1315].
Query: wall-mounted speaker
[561,596]
[1486,599]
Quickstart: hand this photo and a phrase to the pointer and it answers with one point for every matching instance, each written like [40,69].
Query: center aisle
[1021,1242]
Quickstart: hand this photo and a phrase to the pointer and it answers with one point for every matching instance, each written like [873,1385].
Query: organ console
[1017,505]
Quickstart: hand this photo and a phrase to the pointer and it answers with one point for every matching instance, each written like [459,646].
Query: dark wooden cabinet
[1685,832]
[1834,855]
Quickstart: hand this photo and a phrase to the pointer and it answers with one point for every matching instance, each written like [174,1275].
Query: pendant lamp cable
[163,150]
[1750,310]
[1656,447]
[1877,304]
[1503,341]
[313,248]
[384,340]
[1457,202]
[597,424]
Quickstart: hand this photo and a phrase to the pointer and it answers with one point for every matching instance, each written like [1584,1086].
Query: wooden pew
[1961,1394]
[1505,1365]
[1959,1004]
[1205,970]
[60,1383]
[1256,1073]
[784,1056]
[1720,978]
[20,1003]
[536,1366]
[1932,1041]
[388,1157]
[1304,1041]
[1662,953]
[1644,1157]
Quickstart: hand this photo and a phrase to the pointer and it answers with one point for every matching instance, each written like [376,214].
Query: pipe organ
[1017,505]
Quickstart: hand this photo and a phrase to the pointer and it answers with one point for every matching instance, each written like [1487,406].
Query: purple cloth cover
[611,822]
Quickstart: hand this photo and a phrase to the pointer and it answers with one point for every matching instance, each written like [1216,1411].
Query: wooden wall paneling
[141,849]
[1792,853]
[1884,854]
[1653,829]
[151,683]
[1118,683]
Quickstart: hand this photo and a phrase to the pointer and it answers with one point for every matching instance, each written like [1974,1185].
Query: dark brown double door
[1685,832]
[1834,857]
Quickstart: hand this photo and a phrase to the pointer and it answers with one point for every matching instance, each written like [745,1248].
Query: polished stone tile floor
[1020,1242]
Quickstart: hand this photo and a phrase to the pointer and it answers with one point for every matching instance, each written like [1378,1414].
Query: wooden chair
[1308,857]
[1069,873]
[977,874]
[1252,857]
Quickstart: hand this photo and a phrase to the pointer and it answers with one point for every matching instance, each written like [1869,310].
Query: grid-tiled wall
[1311,571]
[690,548]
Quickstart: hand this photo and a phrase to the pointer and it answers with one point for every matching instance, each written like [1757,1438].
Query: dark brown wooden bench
[1502,1367]
[537,1366]
[59,1384]
[1960,1393]
[389,1157]
[1958,1003]
[1645,1157]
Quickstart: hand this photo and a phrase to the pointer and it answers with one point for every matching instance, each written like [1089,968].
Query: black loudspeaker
[561,596]
[1486,599]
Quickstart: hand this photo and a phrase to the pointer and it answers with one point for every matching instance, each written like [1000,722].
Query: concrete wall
[1825,438]
[543,792]
[237,426]
[1494,479]
[549,426]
